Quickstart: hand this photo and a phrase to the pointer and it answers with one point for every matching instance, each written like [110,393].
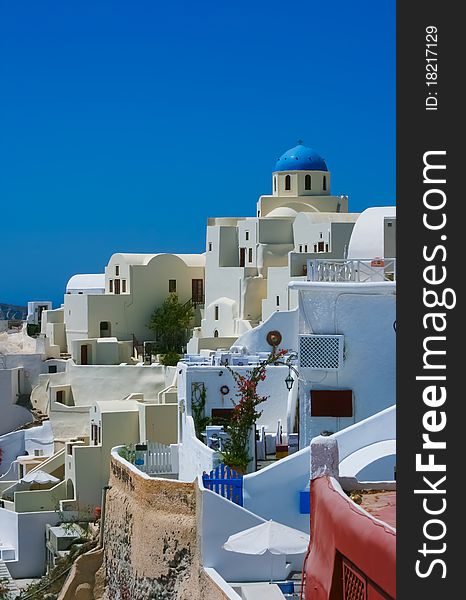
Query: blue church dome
[300,158]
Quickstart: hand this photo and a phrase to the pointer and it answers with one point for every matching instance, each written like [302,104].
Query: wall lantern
[289,381]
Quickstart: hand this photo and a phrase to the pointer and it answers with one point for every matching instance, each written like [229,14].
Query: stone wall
[151,549]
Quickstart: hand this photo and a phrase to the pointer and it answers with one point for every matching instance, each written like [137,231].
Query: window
[60,397]
[250,255]
[274,184]
[247,235]
[389,224]
[278,300]
[321,247]
[305,248]
[117,270]
[331,403]
[242,257]
[172,286]
[216,313]
[287,182]
[52,368]
[315,247]
[326,247]
[307,182]
[216,333]
[117,286]
[324,183]
[197,291]
[123,285]
[210,246]
[300,247]
[110,286]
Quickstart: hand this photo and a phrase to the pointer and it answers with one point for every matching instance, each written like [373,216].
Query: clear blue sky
[125,124]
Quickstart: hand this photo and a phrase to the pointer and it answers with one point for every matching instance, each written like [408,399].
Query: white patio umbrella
[270,537]
[40,477]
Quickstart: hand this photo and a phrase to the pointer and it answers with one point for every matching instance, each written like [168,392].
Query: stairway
[7,580]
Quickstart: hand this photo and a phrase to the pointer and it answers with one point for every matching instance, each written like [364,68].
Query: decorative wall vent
[354,583]
[321,352]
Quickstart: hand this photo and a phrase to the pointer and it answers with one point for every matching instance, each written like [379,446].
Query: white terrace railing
[153,458]
[351,269]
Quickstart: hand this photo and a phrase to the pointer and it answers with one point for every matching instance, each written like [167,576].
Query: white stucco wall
[364,314]
[12,415]
[26,533]
[91,383]
[367,450]
[367,239]
[147,279]
[222,518]
[273,492]
[17,443]
[274,387]
[286,322]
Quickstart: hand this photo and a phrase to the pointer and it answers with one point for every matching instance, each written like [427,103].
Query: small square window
[52,368]
[172,286]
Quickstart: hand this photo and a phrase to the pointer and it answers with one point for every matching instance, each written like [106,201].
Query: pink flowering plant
[245,413]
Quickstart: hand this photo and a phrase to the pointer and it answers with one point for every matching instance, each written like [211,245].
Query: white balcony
[353,270]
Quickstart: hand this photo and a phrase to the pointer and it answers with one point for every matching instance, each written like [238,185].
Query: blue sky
[125,124]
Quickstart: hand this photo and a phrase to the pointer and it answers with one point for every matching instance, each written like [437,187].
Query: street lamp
[289,381]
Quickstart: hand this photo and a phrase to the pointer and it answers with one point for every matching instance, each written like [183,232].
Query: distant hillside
[10,312]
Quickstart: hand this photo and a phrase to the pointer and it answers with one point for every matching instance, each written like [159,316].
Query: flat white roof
[107,406]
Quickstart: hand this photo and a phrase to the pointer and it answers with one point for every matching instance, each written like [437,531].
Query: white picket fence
[158,459]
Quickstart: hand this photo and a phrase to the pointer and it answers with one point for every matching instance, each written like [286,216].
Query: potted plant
[245,414]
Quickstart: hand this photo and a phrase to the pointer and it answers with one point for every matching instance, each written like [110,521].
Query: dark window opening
[117,270]
[216,333]
[331,403]
[210,246]
[287,182]
[216,313]
[117,286]
[307,182]
[52,368]
[242,257]
[250,255]
[123,285]
[321,247]
[197,289]
[110,286]
[247,235]
[172,286]
[278,300]
[60,397]
[324,184]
